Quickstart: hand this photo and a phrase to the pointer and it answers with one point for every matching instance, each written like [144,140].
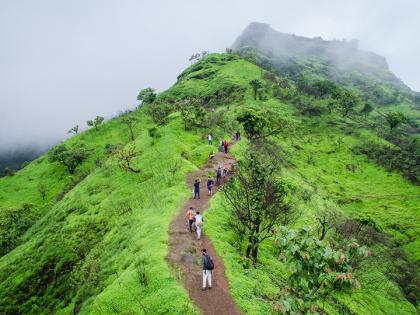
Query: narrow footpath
[185,249]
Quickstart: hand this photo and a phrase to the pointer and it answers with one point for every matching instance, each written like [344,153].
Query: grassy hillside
[97,242]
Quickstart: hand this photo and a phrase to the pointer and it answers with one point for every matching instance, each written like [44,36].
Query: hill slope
[97,243]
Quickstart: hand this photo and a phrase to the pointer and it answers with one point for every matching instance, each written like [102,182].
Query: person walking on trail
[219,175]
[209,138]
[190,217]
[210,185]
[221,146]
[207,266]
[197,189]
[212,155]
[199,222]
[225,145]
[238,135]
[225,169]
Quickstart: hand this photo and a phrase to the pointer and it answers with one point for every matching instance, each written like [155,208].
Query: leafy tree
[42,189]
[96,122]
[154,134]
[348,102]
[130,122]
[125,156]
[147,96]
[159,112]
[256,86]
[394,119]
[69,157]
[259,124]
[316,269]
[259,202]
[367,109]
[74,130]
[192,113]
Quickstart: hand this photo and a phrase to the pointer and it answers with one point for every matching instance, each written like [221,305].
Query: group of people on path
[195,218]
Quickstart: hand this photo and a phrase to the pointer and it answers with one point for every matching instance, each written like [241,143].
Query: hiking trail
[185,249]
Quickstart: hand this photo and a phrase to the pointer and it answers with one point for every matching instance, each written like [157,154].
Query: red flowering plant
[315,268]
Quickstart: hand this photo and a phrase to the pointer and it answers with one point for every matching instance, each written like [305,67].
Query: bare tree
[258,201]
[130,122]
[125,156]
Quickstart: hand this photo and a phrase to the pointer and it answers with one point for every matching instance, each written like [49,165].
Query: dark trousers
[219,179]
[226,149]
[196,194]
[190,223]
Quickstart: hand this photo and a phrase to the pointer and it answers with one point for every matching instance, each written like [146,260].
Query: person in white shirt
[210,139]
[199,222]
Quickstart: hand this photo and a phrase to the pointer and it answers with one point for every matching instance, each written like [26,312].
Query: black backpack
[208,263]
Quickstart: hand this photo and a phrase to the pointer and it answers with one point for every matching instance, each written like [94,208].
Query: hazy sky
[63,62]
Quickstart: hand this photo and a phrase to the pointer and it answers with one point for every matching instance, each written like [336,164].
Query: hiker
[199,222]
[238,135]
[221,146]
[209,139]
[212,155]
[190,217]
[210,185]
[219,175]
[225,145]
[225,169]
[207,266]
[197,189]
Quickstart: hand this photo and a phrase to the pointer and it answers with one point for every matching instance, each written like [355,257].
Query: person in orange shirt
[190,217]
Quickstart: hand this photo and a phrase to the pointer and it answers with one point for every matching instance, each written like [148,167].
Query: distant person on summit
[197,189]
[207,266]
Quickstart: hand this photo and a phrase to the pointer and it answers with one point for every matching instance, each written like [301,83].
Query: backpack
[208,263]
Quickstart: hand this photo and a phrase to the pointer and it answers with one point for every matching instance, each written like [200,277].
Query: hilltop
[94,239]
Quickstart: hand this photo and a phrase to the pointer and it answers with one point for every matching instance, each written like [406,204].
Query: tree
[146,96]
[130,122]
[348,102]
[256,85]
[394,119]
[367,109]
[69,157]
[8,171]
[316,269]
[192,113]
[154,134]
[159,112]
[96,122]
[74,130]
[42,189]
[259,124]
[258,202]
[125,156]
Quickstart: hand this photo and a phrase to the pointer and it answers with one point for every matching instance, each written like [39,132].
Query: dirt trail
[185,249]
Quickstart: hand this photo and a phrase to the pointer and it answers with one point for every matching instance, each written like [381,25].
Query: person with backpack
[190,217]
[196,189]
[209,138]
[207,266]
[225,145]
[221,146]
[219,175]
[238,135]
[199,222]
[210,185]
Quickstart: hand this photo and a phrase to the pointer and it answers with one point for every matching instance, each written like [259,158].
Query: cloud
[62,63]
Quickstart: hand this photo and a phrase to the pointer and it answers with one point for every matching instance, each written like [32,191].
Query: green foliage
[146,96]
[154,134]
[348,102]
[13,223]
[367,109]
[130,122]
[70,157]
[192,113]
[96,122]
[394,119]
[159,112]
[256,86]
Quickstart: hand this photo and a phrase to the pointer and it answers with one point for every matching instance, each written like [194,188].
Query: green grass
[103,247]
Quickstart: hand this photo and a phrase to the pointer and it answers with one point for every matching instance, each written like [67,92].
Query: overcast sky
[63,62]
